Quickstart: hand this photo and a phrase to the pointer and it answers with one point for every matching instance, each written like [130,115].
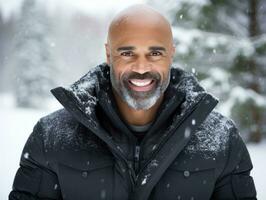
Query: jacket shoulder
[213,135]
[57,120]
[59,129]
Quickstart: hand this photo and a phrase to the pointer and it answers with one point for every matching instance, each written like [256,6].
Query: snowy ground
[16,125]
[257,153]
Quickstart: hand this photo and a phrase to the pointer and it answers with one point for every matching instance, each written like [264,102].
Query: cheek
[164,71]
[116,73]
[117,60]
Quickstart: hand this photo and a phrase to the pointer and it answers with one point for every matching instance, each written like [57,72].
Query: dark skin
[139,40]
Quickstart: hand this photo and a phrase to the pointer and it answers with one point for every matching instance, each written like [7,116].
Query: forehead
[140,36]
[139,28]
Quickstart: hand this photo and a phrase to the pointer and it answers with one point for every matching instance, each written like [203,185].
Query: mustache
[146,75]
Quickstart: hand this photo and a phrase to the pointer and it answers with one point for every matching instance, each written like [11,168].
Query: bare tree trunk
[253,18]
[256,134]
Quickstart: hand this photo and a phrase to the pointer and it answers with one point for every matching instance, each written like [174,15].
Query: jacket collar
[88,90]
[94,89]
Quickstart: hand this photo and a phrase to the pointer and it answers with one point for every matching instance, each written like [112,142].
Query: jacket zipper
[136,158]
[131,167]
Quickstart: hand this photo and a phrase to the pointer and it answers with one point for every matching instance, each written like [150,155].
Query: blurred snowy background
[46,43]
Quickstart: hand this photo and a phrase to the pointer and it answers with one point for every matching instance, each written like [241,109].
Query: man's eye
[155,53]
[127,53]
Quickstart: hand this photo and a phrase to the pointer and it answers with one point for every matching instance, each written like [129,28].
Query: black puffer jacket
[86,151]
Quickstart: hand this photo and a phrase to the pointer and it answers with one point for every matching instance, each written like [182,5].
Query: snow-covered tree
[33,57]
[224,43]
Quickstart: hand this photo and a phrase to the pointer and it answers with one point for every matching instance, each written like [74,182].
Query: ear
[107,53]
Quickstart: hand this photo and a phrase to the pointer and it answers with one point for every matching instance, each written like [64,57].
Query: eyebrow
[156,48]
[126,48]
[152,48]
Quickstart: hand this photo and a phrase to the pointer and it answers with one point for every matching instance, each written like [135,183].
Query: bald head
[139,18]
[139,52]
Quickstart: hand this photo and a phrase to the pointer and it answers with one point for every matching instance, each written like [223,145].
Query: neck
[136,117]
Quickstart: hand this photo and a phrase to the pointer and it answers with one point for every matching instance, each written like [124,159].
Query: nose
[141,65]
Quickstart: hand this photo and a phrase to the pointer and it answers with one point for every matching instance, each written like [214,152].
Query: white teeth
[141,83]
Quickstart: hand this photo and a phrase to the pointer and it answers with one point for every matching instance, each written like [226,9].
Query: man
[135,128]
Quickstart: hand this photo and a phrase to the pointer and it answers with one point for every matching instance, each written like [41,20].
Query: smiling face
[139,52]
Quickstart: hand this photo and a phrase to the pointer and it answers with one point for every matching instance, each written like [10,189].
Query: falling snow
[26,155]
[187,132]
[55,187]
[103,194]
[144,181]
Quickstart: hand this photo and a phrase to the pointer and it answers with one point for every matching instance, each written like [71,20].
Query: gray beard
[143,103]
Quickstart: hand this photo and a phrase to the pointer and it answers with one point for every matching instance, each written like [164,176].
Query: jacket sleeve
[235,181]
[34,179]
